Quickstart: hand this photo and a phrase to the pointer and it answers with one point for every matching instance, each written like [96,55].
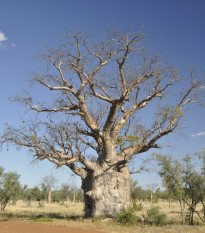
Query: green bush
[127,217]
[154,216]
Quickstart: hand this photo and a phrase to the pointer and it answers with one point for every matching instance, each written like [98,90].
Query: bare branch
[118,74]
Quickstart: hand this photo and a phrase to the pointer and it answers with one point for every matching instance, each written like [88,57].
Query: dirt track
[18,226]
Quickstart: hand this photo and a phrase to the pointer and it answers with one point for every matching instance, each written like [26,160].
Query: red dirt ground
[18,226]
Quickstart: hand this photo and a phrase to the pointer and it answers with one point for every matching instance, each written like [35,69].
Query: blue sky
[28,28]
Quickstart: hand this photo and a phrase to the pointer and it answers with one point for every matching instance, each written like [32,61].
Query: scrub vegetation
[71,214]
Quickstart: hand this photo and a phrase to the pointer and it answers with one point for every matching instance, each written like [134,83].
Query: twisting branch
[118,74]
[58,144]
[166,122]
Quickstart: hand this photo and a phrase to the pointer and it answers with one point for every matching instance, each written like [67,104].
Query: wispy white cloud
[202,87]
[13,44]
[198,134]
[3,38]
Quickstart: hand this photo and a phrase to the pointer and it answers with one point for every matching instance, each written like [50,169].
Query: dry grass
[66,213]
[66,210]
[112,227]
[173,213]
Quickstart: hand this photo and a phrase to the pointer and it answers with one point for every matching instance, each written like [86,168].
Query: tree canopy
[100,87]
[10,187]
[98,90]
[185,181]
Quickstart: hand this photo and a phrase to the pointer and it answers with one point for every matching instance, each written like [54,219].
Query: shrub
[127,217]
[10,187]
[154,216]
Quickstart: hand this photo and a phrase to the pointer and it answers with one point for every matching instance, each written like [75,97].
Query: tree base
[108,193]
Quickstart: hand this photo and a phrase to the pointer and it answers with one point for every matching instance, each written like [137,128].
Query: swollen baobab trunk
[107,193]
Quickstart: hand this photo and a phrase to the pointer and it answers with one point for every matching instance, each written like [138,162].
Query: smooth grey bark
[170,201]
[49,196]
[106,194]
[183,214]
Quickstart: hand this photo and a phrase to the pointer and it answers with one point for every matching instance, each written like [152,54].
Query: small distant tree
[201,156]
[157,195]
[26,194]
[194,188]
[152,188]
[48,183]
[171,173]
[36,194]
[184,183]
[137,192]
[65,190]
[74,192]
[10,187]
[80,195]
[163,194]
[133,188]
[31,194]
[56,196]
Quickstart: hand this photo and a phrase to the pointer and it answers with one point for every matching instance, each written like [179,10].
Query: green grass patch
[44,219]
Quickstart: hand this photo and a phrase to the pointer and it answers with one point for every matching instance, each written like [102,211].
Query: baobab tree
[99,91]
[48,183]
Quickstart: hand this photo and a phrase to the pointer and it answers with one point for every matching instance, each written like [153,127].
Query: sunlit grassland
[36,209]
[173,213]
[71,214]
